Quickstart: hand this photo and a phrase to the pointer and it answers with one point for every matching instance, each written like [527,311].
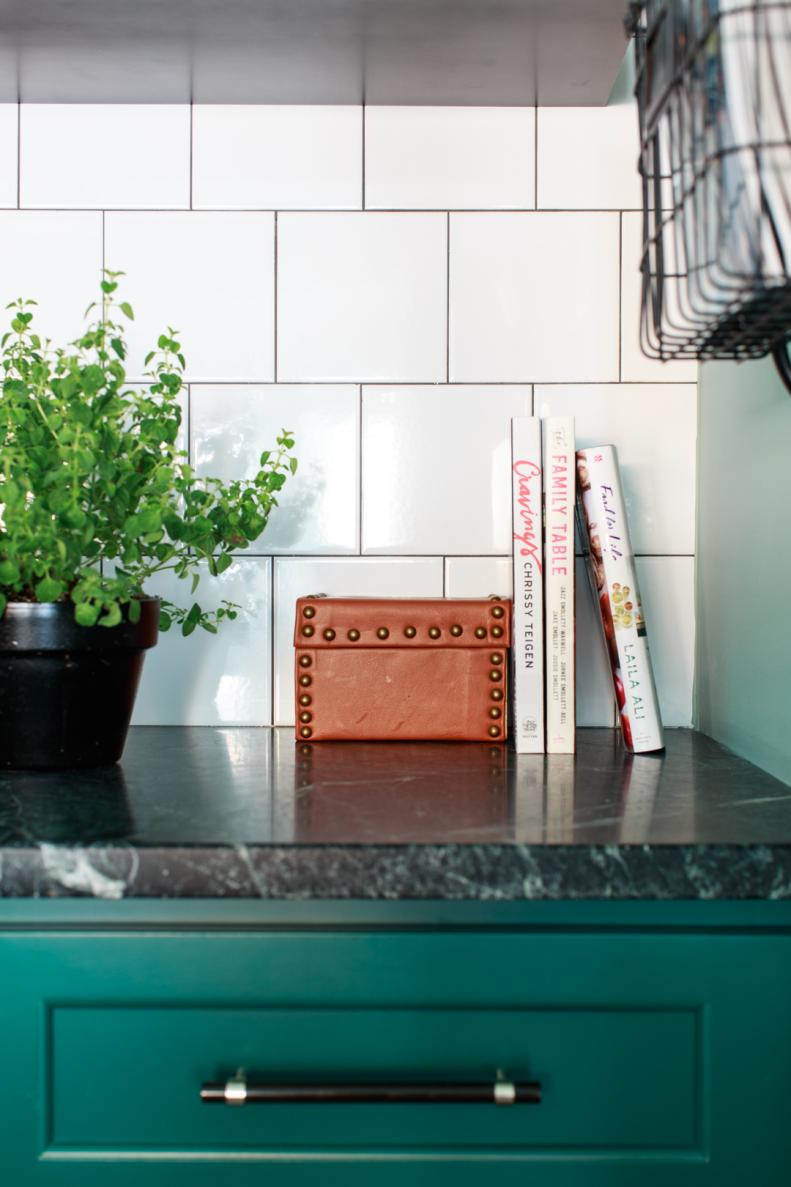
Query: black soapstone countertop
[246,813]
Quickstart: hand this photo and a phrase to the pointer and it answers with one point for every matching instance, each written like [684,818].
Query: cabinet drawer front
[611,1079]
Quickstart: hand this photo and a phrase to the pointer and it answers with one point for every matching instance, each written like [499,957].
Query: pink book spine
[558,437]
[611,567]
[527,650]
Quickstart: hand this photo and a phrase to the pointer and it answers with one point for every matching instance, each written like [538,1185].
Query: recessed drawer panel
[611,1079]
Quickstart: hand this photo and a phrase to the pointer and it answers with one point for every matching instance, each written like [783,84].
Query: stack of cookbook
[548,477]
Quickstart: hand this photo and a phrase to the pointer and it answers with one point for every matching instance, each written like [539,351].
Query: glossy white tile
[421,447]
[478,576]
[126,155]
[361,297]
[395,577]
[587,158]
[635,366]
[667,588]
[222,679]
[54,259]
[211,276]
[534,297]
[277,157]
[654,428]
[318,508]
[457,158]
[9,123]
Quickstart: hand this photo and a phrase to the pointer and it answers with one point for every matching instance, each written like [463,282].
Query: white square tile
[362,297]
[383,577]
[478,576]
[457,158]
[420,447]
[9,124]
[654,428]
[595,697]
[534,297]
[635,366]
[318,508]
[667,590]
[587,158]
[127,155]
[211,276]
[222,679]
[56,260]
[277,157]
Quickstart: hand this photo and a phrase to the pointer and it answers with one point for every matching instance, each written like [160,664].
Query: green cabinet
[663,1048]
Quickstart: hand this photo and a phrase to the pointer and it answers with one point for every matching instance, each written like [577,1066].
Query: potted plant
[95,499]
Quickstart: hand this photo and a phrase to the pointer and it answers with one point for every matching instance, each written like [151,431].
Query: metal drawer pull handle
[237,1091]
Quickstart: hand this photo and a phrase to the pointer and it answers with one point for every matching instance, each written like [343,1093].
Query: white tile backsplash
[635,366]
[9,122]
[54,259]
[379,577]
[205,679]
[587,158]
[654,428]
[315,287]
[210,276]
[125,155]
[318,509]
[419,446]
[534,297]
[362,297]
[450,158]
[277,157]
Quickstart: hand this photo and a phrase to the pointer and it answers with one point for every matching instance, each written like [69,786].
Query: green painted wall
[743,668]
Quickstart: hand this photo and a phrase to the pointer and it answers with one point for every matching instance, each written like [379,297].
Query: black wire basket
[714,99]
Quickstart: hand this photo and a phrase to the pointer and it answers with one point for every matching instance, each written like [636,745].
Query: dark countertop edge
[391,872]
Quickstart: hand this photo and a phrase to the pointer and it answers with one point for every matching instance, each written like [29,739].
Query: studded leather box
[382,669]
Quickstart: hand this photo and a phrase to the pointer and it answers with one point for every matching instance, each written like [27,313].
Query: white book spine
[527,651]
[558,435]
[613,574]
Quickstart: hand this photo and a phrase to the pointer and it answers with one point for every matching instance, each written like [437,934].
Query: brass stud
[497,612]
[305,750]
[308,630]
[497,631]
[304,699]
[410,631]
[329,634]
[456,630]
[495,674]
[305,661]
[496,694]
[305,716]
[309,612]
[496,657]
[383,633]
[495,712]
[434,632]
[305,680]
[494,731]
[306,732]
[353,634]
[480,632]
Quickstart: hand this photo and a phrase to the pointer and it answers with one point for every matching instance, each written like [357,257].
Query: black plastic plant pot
[67,691]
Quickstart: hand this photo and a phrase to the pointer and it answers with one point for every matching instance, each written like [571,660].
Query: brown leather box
[382,669]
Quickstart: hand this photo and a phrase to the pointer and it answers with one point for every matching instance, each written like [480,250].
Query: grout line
[272,658]
[444,576]
[189,424]
[362,195]
[431,383]
[104,258]
[192,142]
[275,294]
[405,210]
[620,296]
[360,475]
[535,158]
[19,156]
[447,304]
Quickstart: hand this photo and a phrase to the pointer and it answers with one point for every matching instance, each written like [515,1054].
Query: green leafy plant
[95,496]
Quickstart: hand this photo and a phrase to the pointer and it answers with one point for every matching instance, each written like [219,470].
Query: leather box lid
[402,622]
